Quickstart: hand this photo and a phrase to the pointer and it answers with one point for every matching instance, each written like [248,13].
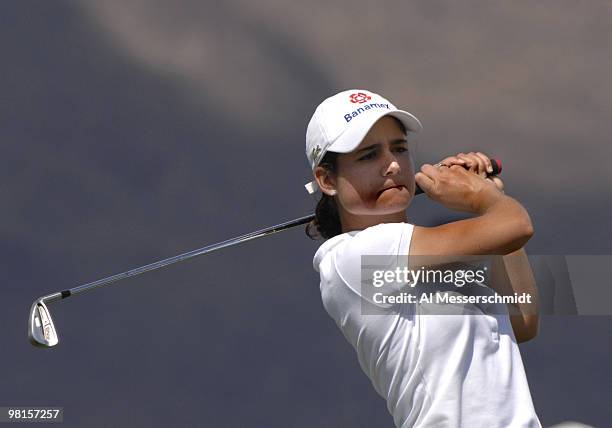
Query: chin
[386,208]
[393,201]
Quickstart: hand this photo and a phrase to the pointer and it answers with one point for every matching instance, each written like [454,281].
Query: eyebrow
[372,146]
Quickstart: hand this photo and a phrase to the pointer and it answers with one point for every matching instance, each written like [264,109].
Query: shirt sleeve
[362,260]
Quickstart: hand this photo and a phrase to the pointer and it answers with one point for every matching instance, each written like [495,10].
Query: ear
[326,180]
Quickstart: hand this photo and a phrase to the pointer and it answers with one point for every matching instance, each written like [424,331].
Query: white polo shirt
[433,370]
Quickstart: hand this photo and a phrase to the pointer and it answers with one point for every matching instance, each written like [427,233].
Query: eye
[370,155]
[401,149]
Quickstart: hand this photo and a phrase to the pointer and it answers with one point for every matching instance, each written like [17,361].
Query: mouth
[398,187]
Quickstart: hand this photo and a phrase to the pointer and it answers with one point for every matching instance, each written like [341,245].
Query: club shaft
[179,258]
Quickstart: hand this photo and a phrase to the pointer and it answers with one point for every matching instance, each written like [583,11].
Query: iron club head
[41,329]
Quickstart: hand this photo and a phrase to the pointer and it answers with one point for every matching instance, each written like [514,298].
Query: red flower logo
[360,97]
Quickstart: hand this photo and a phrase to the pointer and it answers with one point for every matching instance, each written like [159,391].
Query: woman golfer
[433,370]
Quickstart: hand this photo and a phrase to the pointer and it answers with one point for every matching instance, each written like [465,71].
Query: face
[377,178]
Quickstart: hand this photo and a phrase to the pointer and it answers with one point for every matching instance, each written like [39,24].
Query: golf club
[41,329]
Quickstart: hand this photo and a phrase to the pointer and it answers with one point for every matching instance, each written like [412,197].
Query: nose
[392,166]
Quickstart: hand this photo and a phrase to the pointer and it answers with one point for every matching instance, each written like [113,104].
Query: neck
[359,222]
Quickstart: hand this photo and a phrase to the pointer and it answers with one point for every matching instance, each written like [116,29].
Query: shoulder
[381,239]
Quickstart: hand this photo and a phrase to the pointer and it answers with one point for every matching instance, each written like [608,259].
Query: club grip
[495,163]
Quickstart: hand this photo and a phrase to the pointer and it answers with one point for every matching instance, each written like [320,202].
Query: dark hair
[326,223]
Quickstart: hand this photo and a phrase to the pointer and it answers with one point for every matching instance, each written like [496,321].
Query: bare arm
[512,274]
[501,225]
